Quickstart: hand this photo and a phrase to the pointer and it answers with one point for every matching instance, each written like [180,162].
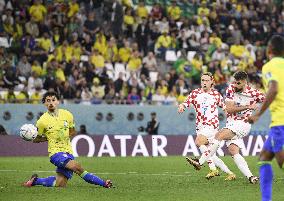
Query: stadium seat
[118,67]
[153,76]
[84,58]
[171,56]
[190,55]
[4,42]
[110,70]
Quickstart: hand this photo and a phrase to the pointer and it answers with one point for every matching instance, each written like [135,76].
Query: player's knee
[78,169]
[198,142]
[219,136]
[61,184]
[201,141]
[233,150]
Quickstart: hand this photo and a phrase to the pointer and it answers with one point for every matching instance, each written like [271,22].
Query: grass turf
[137,178]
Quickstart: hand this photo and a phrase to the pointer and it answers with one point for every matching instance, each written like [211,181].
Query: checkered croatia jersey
[248,97]
[206,106]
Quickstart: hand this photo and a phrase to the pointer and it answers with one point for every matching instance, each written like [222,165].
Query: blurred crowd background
[130,52]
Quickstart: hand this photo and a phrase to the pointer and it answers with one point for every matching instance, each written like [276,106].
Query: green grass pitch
[138,178]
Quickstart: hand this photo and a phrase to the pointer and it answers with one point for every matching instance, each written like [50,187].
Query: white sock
[212,150]
[242,165]
[220,164]
[210,162]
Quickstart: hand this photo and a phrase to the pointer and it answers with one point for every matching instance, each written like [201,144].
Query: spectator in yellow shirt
[174,11]
[77,51]
[215,39]
[101,43]
[36,67]
[237,50]
[59,72]
[203,9]
[45,42]
[141,10]
[128,22]
[67,51]
[163,43]
[135,62]
[125,52]
[97,60]
[38,11]
[73,8]
[10,96]
[22,97]
[36,96]
[112,51]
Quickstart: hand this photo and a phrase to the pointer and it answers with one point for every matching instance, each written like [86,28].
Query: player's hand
[181,108]
[253,106]
[252,119]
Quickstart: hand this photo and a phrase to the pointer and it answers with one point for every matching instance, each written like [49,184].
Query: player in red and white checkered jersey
[241,100]
[206,101]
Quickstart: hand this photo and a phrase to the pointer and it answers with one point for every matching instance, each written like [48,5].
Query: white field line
[171,174]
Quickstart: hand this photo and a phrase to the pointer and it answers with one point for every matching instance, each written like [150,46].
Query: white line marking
[171,174]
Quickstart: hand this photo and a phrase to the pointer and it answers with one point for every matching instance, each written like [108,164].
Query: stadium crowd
[127,52]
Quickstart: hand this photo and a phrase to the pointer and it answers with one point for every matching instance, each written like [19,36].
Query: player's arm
[185,104]
[40,138]
[41,130]
[221,103]
[232,108]
[72,132]
[270,96]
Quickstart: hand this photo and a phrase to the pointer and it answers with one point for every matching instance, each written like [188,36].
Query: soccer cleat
[253,180]
[212,173]
[108,184]
[230,177]
[30,182]
[194,162]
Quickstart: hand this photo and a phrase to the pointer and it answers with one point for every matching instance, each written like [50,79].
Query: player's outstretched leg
[35,180]
[241,163]
[93,179]
[88,177]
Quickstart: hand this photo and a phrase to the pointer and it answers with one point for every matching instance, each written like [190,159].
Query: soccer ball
[28,132]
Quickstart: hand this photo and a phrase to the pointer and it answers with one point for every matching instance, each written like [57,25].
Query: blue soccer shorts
[275,140]
[60,160]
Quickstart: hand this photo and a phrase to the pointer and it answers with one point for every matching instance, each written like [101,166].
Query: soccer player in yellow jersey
[272,74]
[56,126]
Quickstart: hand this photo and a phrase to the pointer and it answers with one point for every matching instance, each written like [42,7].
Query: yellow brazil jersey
[142,11]
[73,9]
[59,74]
[56,130]
[174,12]
[45,44]
[134,63]
[98,61]
[274,70]
[35,98]
[38,12]
[124,54]
[128,20]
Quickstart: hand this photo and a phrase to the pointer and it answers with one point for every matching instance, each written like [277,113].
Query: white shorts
[207,131]
[240,128]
